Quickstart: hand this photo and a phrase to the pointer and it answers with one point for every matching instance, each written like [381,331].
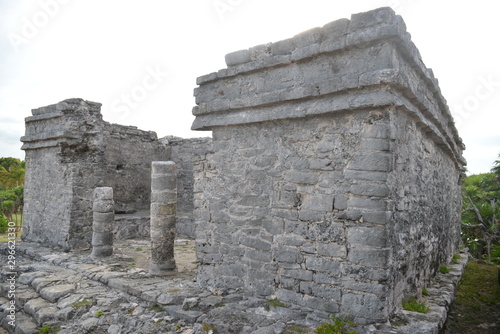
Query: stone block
[318,202]
[372,162]
[163,168]
[333,293]
[322,264]
[367,236]
[54,293]
[372,204]
[287,254]
[103,206]
[369,189]
[322,304]
[284,47]
[160,182]
[364,306]
[163,210]
[335,29]
[331,250]
[384,15]
[255,243]
[168,196]
[103,193]
[340,202]
[370,257]
[302,177]
[300,274]
[102,239]
[103,218]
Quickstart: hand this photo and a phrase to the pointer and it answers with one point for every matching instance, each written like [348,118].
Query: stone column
[103,221]
[163,210]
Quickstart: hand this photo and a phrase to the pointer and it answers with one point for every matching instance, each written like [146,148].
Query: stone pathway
[78,294]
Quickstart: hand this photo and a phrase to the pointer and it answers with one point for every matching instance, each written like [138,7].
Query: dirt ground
[138,250]
[476,309]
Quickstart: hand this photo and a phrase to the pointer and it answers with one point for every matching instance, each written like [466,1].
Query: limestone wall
[186,153]
[334,179]
[70,150]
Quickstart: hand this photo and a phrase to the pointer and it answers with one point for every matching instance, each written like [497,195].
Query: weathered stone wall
[186,153]
[70,151]
[334,179]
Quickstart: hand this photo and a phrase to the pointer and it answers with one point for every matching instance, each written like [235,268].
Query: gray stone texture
[103,222]
[334,178]
[163,211]
[70,151]
[187,154]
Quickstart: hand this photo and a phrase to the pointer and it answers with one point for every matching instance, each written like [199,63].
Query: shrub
[3,223]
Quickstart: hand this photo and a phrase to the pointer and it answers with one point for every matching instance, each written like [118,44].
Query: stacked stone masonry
[103,222]
[334,179]
[163,211]
[331,181]
[70,151]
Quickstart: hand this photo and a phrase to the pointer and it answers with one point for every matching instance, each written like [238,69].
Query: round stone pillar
[103,222]
[163,210]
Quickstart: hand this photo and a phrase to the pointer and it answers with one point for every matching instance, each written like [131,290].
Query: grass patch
[173,290]
[273,303]
[82,303]
[293,329]
[208,329]
[455,258]
[48,329]
[425,292]
[99,314]
[444,269]
[156,308]
[476,299]
[413,305]
[337,326]
[138,249]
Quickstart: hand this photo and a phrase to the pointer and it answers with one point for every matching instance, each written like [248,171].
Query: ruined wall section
[187,153]
[83,152]
[335,168]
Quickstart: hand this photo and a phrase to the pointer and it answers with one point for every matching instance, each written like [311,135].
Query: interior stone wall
[70,150]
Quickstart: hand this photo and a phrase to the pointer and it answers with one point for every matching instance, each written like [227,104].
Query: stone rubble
[82,295]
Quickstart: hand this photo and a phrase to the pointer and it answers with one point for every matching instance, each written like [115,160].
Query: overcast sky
[103,51]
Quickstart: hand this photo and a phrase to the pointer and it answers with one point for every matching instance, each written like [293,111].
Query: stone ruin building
[331,182]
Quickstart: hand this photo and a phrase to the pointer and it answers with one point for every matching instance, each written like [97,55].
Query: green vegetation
[481,214]
[413,305]
[208,329]
[273,303]
[156,308]
[425,292]
[477,298]
[455,258]
[444,269]
[48,329]
[99,313]
[338,326]
[296,330]
[82,303]
[138,249]
[11,194]
[3,223]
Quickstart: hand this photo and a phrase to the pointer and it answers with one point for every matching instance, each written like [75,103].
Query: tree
[11,172]
[481,210]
